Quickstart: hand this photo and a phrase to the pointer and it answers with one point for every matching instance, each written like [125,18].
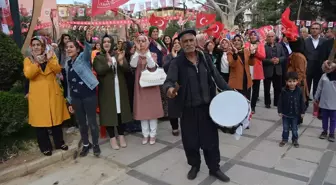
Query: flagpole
[299,11]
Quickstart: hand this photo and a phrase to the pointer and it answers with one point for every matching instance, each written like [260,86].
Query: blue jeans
[290,123]
[85,111]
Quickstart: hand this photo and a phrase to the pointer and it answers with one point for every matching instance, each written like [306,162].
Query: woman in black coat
[173,115]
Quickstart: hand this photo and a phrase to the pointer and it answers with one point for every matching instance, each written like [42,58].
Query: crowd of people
[70,82]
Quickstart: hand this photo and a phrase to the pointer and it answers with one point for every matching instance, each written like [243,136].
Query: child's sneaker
[282,143]
[296,144]
[323,135]
[331,138]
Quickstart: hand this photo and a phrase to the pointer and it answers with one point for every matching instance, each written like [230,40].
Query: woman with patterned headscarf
[147,106]
[156,45]
[257,71]
[113,94]
[47,107]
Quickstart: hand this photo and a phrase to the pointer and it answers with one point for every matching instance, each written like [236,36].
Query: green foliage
[13,113]
[79,34]
[11,61]
[172,28]
[268,12]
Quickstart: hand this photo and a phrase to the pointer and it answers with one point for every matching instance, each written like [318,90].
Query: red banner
[88,11]
[53,13]
[101,6]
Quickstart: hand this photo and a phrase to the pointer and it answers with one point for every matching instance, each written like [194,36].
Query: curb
[35,165]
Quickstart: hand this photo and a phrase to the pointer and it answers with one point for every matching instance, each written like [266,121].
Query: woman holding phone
[47,107]
[147,101]
[172,114]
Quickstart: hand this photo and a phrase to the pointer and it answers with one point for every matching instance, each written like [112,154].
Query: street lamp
[248,18]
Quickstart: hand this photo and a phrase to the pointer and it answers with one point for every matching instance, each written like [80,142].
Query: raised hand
[121,56]
[89,34]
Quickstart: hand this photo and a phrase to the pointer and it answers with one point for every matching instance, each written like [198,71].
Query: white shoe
[152,140]
[145,140]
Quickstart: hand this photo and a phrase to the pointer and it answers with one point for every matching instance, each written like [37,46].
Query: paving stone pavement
[254,159]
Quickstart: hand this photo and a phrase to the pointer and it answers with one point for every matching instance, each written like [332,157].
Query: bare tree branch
[221,4]
[215,5]
[246,7]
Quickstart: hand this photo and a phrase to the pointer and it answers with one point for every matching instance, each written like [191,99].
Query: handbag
[155,78]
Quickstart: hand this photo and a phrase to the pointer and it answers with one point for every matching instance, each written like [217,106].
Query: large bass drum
[230,109]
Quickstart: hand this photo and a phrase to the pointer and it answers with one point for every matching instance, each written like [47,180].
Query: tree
[174,27]
[228,10]
[79,34]
[11,61]
[267,12]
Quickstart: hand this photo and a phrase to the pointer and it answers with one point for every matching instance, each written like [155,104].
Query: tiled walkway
[255,159]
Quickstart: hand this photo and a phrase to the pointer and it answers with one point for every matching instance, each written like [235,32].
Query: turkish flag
[6,14]
[101,6]
[88,12]
[288,27]
[215,29]
[158,22]
[263,32]
[203,19]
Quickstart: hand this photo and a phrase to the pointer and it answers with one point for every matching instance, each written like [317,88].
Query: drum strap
[209,69]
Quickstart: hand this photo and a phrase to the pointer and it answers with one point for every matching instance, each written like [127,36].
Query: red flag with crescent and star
[101,6]
[289,27]
[203,19]
[158,22]
[215,29]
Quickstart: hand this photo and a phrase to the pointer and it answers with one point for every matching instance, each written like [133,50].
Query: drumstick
[332,53]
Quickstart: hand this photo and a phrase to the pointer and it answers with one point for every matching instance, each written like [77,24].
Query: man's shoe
[253,110]
[282,143]
[85,150]
[323,135]
[268,106]
[192,174]
[296,144]
[220,176]
[331,138]
[96,150]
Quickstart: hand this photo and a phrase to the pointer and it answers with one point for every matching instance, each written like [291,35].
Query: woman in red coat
[257,72]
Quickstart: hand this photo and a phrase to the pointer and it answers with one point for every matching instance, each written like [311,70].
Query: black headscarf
[111,52]
[297,46]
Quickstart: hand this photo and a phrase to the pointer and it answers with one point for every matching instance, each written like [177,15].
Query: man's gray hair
[271,31]
[304,29]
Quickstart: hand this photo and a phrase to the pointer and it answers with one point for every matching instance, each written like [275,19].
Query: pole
[299,11]
[0,19]
[14,8]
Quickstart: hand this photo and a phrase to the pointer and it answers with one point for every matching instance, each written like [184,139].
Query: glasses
[315,28]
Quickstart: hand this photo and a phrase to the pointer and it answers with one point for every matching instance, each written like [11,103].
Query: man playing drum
[192,80]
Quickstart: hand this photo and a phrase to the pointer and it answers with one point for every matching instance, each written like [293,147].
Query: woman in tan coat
[47,108]
[298,63]
[240,59]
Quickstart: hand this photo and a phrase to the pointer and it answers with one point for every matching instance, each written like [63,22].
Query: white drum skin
[229,109]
